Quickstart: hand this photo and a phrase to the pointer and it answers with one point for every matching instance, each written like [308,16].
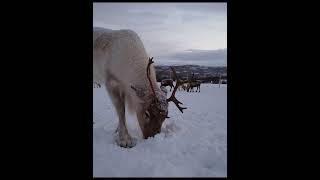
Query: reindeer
[167,82]
[183,86]
[192,84]
[120,61]
[96,85]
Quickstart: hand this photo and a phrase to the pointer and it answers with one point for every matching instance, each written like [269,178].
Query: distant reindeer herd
[193,84]
[186,85]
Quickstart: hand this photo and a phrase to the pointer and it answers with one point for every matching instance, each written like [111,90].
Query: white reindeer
[121,63]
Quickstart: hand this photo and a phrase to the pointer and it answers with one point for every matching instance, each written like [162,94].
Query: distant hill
[205,73]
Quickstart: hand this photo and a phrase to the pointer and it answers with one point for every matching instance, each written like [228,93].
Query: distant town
[206,74]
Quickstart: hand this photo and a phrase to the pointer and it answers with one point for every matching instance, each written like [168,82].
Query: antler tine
[173,98]
[148,75]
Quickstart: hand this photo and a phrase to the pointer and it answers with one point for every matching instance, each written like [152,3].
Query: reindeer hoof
[126,141]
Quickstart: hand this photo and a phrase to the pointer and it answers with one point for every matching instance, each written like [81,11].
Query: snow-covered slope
[192,144]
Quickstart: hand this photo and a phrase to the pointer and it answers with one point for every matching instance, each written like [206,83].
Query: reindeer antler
[148,75]
[173,98]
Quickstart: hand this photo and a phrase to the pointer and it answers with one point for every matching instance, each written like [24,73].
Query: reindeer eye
[147,114]
[162,112]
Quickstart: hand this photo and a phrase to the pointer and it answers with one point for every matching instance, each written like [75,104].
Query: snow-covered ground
[192,144]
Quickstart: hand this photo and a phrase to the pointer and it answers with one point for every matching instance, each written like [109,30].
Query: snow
[192,144]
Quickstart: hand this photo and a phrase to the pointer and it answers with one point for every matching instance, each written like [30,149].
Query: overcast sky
[173,33]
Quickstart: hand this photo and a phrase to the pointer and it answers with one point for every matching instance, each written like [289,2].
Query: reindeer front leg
[123,139]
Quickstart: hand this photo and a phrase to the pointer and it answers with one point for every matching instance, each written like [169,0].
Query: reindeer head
[155,111]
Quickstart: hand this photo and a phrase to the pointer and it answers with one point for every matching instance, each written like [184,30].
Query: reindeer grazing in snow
[192,84]
[167,82]
[120,62]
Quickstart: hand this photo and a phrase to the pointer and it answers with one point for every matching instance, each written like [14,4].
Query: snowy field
[192,144]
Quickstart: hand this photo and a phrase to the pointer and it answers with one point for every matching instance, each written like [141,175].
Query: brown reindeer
[183,86]
[192,84]
[167,82]
[96,85]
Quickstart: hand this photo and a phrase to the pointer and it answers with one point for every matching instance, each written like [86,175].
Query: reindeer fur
[119,62]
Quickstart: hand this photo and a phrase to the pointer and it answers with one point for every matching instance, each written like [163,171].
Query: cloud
[127,14]
[204,7]
[196,56]
[169,28]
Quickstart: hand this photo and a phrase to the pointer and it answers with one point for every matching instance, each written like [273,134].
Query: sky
[172,33]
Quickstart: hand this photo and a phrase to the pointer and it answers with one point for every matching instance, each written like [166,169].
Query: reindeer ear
[140,92]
